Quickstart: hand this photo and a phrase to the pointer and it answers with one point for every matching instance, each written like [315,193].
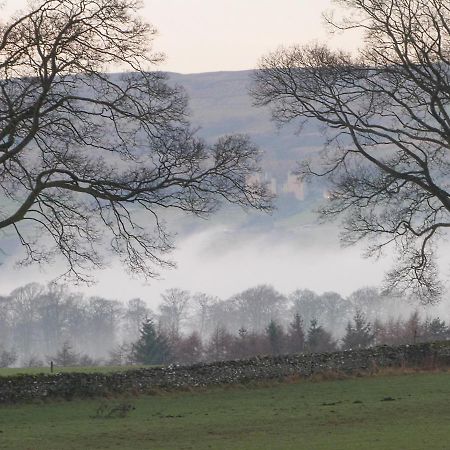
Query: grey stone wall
[82,385]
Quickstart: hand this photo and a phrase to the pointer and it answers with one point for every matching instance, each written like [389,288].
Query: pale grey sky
[210,35]
[215,35]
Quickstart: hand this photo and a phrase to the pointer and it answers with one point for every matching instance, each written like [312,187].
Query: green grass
[10,371]
[410,412]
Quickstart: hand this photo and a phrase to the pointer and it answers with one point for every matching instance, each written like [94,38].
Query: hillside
[220,104]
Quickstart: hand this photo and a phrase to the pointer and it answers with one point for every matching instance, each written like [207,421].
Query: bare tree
[6,319]
[258,306]
[104,317]
[83,152]
[134,315]
[174,309]
[371,301]
[202,306]
[25,317]
[386,114]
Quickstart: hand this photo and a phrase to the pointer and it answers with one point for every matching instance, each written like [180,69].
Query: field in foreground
[409,411]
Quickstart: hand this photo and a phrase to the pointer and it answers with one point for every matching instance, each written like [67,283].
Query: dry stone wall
[81,385]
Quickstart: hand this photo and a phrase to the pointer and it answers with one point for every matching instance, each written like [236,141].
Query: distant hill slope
[220,104]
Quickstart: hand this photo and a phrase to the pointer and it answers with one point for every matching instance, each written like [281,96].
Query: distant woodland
[39,324]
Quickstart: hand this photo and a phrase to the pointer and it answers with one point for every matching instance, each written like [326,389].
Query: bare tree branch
[387,115]
[83,153]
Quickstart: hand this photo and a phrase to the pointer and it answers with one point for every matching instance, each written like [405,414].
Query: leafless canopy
[88,158]
[388,119]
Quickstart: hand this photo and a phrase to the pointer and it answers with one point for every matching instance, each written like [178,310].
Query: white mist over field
[222,261]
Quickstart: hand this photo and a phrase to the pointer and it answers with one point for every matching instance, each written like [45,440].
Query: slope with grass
[408,411]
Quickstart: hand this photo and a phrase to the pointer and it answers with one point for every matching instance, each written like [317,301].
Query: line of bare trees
[42,323]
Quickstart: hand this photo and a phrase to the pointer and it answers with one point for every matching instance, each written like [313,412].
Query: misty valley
[242,248]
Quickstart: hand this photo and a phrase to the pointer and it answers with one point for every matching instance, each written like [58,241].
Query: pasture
[395,411]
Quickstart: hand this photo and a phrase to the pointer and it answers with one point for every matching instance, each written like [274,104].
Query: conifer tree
[275,336]
[359,334]
[319,339]
[152,347]
[66,356]
[436,330]
[296,335]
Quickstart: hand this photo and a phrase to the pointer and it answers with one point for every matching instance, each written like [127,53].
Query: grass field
[409,411]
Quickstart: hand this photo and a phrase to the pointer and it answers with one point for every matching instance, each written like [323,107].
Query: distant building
[272,185]
[294,186]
